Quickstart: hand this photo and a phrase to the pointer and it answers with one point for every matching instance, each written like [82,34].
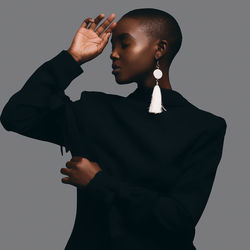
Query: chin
[120,80]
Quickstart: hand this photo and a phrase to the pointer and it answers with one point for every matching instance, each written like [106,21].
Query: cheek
[139,60]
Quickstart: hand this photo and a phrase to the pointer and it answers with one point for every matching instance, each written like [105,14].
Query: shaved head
[159,24]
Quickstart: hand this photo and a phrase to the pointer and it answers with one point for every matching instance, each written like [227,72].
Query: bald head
[159,24]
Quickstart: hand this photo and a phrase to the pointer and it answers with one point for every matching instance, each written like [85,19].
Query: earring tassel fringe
[156,101]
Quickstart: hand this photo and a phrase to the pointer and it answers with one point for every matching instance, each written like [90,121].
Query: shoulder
[212,119]
[95,101]
[202,120]
[195,117]
[206,130]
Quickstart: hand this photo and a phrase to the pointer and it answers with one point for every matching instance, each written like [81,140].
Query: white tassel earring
[156,100]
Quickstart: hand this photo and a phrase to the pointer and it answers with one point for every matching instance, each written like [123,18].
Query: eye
[125,45]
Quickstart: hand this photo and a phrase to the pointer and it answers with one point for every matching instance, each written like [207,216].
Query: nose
[114,55]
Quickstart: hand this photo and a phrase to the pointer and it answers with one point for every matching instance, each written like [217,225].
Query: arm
[37,109]
[180,208]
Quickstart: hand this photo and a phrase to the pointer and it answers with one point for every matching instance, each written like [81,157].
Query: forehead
[128,28]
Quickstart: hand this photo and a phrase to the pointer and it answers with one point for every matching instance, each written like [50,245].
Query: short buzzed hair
[161,25]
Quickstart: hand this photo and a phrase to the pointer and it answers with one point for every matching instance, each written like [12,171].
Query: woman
[143,178]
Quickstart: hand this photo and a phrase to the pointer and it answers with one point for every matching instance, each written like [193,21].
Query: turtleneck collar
[170,97]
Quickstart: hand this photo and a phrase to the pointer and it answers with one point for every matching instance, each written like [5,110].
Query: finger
[66,180]
[65,171]
[105,24]
[77,158]
[109,30]
[105,36]
[86,22]
[71,164]
[96,21]
[111,27]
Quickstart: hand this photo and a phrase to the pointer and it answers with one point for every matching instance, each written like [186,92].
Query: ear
[162,48]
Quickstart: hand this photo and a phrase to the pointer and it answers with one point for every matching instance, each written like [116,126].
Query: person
[143,178]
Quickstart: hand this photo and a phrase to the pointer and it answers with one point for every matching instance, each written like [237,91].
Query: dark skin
[88,43]
[80,171]
[136,56]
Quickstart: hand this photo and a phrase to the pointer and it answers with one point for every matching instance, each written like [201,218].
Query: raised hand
[90,41]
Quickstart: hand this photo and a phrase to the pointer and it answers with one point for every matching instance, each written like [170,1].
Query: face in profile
[132,51]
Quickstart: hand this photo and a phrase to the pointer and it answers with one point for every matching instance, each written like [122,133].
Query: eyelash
[123,46]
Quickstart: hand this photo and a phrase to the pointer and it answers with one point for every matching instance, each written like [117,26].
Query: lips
[116,70]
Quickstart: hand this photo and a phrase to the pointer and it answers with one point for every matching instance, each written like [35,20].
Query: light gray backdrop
[211,70]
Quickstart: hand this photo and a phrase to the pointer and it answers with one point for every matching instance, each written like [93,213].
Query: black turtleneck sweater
[158,169]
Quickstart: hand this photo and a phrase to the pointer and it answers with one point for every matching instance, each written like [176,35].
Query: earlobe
[157,56]
[159,53]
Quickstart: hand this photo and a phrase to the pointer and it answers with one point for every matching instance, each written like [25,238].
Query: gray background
[211,70]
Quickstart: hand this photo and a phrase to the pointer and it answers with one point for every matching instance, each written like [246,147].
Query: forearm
[35,109]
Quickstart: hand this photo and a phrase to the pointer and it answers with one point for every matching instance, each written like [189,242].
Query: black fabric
[157,169]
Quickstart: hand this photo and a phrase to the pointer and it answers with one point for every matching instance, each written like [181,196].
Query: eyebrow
[122,36]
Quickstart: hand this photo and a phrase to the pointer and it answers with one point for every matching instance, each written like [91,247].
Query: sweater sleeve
[178,209]
[36,110]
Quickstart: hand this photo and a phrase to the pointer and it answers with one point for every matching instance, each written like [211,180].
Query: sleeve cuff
[102,187]
[65,68]
[102,181]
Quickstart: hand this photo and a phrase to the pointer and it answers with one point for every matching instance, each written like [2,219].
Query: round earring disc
[157,73]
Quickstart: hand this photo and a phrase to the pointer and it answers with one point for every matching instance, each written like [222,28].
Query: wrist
[74,56]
